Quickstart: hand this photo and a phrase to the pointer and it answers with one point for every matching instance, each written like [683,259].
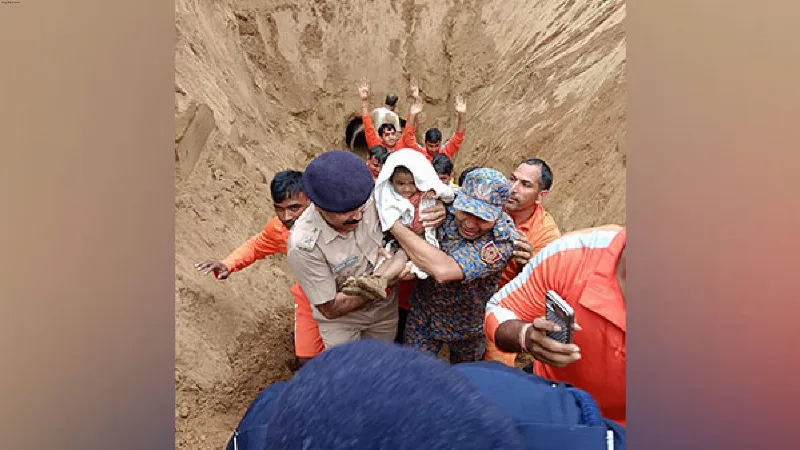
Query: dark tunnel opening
[354,137]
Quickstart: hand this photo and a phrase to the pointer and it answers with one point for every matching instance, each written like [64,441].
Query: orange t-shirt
[581,268]
[540,229]
[409,140]
[271,240]
[371,135]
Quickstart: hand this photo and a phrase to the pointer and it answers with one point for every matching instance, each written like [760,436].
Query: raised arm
[370,134]
[461,112]
[409,137]
[364,94]
[454,144]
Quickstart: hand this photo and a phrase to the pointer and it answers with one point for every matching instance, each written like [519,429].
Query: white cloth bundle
[391,206]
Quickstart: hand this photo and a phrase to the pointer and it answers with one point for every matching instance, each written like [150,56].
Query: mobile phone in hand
[560,313]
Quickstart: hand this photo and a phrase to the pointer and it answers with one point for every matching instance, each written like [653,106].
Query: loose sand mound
[263,86]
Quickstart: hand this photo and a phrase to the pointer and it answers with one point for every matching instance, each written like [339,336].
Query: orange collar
[535,218]
[602,293]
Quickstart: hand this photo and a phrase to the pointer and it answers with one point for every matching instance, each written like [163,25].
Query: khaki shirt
[322,259]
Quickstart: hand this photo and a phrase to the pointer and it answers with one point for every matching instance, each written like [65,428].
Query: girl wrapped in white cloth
[407,184]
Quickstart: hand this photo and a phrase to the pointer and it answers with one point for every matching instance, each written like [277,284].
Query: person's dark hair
[547,174]
[433,135]
[464,174]
[400,169]
[391,100]
[380,153]
[286,184]
[384,127]
[442,164]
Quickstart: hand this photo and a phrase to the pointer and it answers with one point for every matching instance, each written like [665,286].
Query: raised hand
[414,88]
[461,104]
[416,107]
[363,89]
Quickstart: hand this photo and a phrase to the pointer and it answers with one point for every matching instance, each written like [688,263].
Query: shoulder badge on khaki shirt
[308,240]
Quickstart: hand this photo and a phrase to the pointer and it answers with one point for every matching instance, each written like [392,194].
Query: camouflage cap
[484,194]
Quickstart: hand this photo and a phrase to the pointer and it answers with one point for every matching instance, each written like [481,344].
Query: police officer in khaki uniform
[338,237]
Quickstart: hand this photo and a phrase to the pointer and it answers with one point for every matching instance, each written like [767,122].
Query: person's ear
[542,195]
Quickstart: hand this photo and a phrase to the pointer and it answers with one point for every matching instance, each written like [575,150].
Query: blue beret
[371,395]
[338,181]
